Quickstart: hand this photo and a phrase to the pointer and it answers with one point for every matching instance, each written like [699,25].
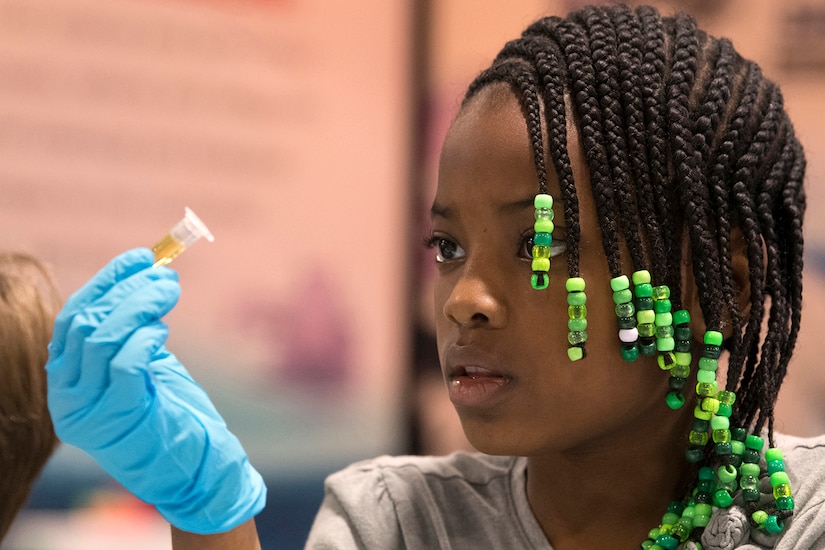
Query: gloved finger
[175,382]
[65,368]
[136,310]
[123,404]
[118,269]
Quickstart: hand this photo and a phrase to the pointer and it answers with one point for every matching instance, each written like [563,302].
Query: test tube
[182,235]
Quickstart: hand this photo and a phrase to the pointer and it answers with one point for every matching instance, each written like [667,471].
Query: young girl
[618,231]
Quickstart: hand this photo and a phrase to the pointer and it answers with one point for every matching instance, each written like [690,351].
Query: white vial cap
[190,229]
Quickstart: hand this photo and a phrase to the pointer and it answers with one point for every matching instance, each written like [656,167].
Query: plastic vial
[182,235]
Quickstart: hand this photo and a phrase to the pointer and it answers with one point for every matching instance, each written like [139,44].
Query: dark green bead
[735,460]
[668,542]
[776,466]
[630,352]
[750,495]
[785,503]
[676,383]
[627,322]
[543,239]
[711,352]
[723,449]
[702,497]
[700,425]
[682,346]
[647,346]
[694,454]
[738,433]
[724,410]
[644,304]
[675,507]
[751,456]
[682,333]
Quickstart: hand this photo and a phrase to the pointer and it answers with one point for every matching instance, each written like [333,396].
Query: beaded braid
[684,140]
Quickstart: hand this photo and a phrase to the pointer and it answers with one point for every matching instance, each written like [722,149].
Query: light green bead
[665,344]
[622,296]
[575,284]
[773,453]
[680,370]
[720,422]
[683,357]
[665,331]
[700,414]
[619,283]
[541,264]
[577,312]
[706,363]
[726,474]
[726,397]
[645,317]
[705,376]
[663,319]
[543,226]
[706,389]
[543,200]
[577,324]
[759,516]
[640,277]
[625,310]
[543,214]
[779,478]
[646,329]
[576,298]
[661,292]
[576,337]
[541,251]
[574,353]
[781,490]
[710,405]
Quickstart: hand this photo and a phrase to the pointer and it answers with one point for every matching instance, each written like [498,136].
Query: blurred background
[305,134]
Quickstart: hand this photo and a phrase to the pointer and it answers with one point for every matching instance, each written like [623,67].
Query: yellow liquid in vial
[166,250]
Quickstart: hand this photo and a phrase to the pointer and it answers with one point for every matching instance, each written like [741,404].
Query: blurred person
[29,302]
[637,154]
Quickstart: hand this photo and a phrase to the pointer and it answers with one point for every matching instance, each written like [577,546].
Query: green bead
[701,414]
[575,284]
[619,283]
[543,214]
[662,306]
[543,239]
[694,454]
[647,544]
[785,503]
[669,518]
[708,364]
[737,447]
[644,290]
[665,344]
[722,498]
[754,442]
[709,404]
[779,478]
[749,482]
[576,298]
[675,400]
[539,281]
[626,309]
[726,474]
[541,264]
[665,331]
[773,453]
[646,330]
[663,319]
[682,358]
[577,312]
[576,337]
[661,292]
[698,438]
[773,525]
[706,376]
[706,389]
[666,361]
[574,353]
[622,296]
[641,277]
[577,324]
[759,517]
[667,541]
[543,200]
[722,436]
[681,317]
[630,352]
[680,370]
[776,466]
[647,347]
[627,322]
[749,470]
[543,226]
[713,338]
[719,422]
[541,251]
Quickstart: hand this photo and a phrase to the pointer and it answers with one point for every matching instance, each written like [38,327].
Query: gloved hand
[117,393]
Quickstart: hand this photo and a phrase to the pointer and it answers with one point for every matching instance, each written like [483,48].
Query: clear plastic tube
[182,235]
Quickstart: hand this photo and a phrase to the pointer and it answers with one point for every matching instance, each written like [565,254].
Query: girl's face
[502,344]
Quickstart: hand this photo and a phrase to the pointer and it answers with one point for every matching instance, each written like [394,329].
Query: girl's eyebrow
[506,208]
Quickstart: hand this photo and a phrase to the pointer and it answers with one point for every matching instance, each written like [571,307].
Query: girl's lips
[476,387]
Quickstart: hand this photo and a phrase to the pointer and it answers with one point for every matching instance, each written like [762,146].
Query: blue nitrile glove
[117,393]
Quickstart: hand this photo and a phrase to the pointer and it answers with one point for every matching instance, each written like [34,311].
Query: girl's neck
[611,494]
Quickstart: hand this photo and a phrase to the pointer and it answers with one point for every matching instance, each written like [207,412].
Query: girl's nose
[472,303]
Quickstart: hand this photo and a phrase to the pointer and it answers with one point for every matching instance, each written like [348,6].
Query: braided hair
[685,142]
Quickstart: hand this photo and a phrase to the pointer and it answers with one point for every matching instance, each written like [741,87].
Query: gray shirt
[472,500]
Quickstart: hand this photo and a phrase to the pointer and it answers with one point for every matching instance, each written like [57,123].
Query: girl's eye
[557,247]
[446,250]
